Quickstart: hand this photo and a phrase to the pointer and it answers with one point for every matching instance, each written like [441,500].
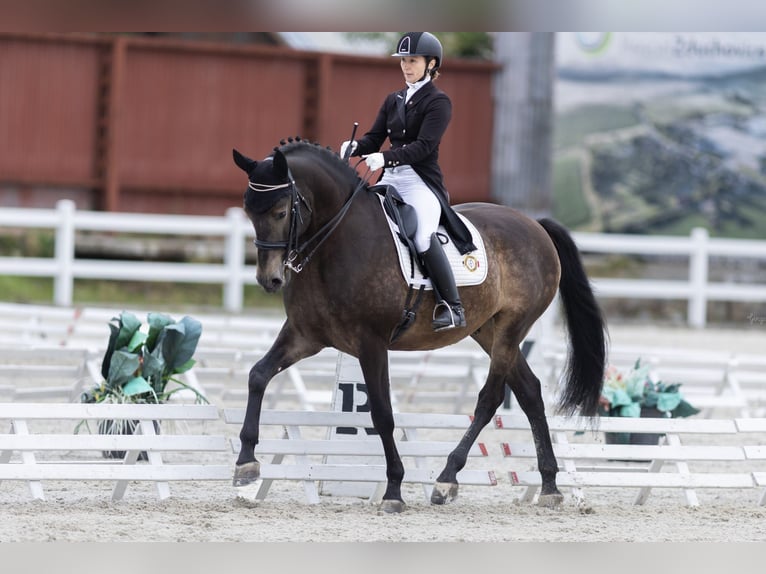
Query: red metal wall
[48,111]
[134,124]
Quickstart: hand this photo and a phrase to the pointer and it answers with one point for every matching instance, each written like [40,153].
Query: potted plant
[140,363]
[635,394]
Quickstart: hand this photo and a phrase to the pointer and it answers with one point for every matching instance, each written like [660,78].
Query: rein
[292,249]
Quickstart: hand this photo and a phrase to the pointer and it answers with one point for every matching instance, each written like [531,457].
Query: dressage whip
[350,147]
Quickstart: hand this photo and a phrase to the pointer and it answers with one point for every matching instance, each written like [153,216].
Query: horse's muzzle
[271,282]
[270,272]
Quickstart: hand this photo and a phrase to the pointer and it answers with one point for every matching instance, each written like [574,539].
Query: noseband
[292,249]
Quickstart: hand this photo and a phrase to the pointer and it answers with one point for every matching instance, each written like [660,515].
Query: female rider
[414,120]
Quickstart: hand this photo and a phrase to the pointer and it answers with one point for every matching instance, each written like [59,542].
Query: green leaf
[129,324]
[121,334]
[617,397]
[684,409]
[122,368]
[115,330]
[650,400]
[153,368]
[136,386]
[668,401]
[635,382]
[179,341]
[185,367]
[157,322]
[136,341]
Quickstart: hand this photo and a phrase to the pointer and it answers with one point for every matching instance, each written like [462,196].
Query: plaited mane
[325,153]
[267,188]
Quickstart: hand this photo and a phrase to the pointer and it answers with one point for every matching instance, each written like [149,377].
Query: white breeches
[415,192]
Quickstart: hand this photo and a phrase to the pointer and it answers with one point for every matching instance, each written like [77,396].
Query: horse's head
[281,212]
[269,202]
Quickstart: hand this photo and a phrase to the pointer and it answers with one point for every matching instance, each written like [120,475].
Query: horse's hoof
[550,500]
[391,507]
[444,492]
[247,473]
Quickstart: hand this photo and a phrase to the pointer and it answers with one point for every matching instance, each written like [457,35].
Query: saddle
[470,268]
[405,217]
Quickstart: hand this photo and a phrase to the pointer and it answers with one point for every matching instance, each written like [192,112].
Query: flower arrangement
[625,394]
[139,363]
[140,360]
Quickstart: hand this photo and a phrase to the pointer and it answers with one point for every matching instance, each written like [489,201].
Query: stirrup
[455,317]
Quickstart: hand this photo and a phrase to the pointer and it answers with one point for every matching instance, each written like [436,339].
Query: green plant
[625,394]
[141,360]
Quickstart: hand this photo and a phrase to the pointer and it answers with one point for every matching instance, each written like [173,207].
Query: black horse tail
[585,322]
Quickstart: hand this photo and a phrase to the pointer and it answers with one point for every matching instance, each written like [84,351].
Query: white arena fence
[40,385]
[44,350]
[233,274]
[684,460]
[54,353]
[64,268]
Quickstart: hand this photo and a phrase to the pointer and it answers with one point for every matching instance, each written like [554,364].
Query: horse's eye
[281,214]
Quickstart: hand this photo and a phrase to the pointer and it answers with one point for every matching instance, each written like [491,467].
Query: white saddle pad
[469,269]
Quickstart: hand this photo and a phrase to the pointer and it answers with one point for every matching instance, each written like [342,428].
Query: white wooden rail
[36,340]
[31,374]
[696,289]
[590,462]
[35,468]
[86,327]
[35,451]
[755,452]
[233,274]
[309,461]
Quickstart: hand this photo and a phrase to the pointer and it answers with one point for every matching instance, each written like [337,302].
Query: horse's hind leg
[490,398]
[527,389]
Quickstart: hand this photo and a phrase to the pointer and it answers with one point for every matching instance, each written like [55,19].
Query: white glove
[344,147]
[374,161]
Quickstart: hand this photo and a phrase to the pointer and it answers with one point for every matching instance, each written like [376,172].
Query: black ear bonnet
[269,181]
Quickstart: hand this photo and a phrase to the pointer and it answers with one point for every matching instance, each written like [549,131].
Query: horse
[322,239]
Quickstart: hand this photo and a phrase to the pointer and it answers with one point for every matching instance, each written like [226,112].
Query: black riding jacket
[415,131]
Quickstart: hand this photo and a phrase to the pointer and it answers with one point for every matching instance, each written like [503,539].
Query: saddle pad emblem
[471,263]
[469,269]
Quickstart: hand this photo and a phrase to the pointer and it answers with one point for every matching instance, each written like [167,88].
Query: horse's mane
[325,154]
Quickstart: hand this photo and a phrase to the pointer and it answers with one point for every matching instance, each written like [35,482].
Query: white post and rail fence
[233,273]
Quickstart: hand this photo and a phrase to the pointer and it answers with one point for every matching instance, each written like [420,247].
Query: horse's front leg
[374,363]
[288,348]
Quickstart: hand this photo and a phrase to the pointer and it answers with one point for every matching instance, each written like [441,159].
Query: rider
[414,120]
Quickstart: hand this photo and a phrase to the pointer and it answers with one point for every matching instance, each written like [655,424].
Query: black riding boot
[448,312]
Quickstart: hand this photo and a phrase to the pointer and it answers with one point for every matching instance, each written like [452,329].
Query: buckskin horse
[322,239]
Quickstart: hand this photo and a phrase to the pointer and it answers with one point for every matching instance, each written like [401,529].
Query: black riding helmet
[420,44]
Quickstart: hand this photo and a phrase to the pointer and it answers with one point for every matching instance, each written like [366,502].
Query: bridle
[291,245]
